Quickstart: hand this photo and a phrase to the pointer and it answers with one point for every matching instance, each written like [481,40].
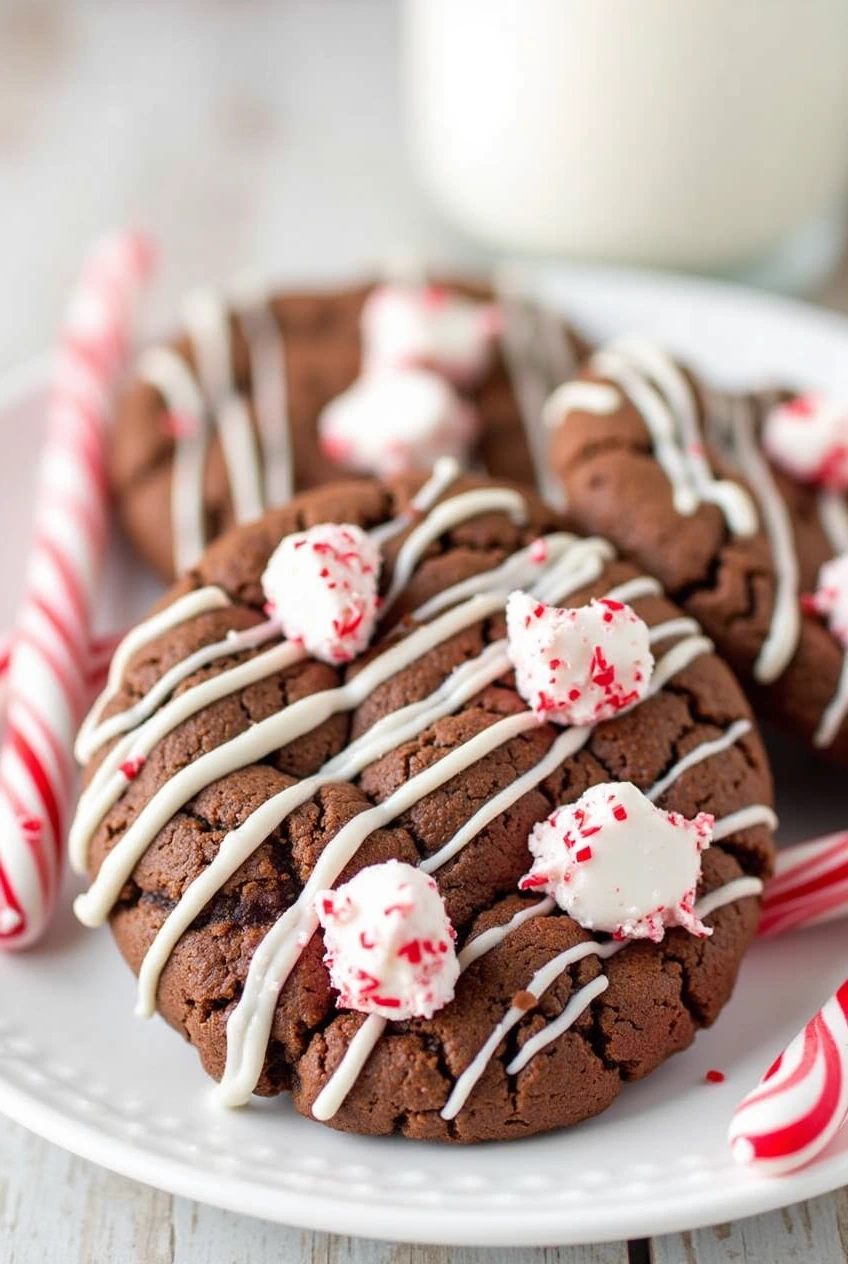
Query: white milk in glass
[689,133]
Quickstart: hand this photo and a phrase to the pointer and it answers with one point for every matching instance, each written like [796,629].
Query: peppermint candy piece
[389,943]
[578,665]
[616,863]
[321,586]
[830,599]
[808,438]
[398,420]
[429,326]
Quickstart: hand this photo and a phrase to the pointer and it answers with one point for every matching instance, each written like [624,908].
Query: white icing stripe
[649,402]
[537,356]
[578,1003]
[835,712]
[249,1026]
[681,655]
[335,1091]
[633,589]
[489,939]
[208,325]
[566,745]
[445,472]
[269,386]
[516,571]
[732,499]
[241,457]
[442,518]
[745,818]
[833,515]
[785,627]
[683,626]
[163,369]
[579,397]
[544,977]
[233,643]
[697,756]
[180,611]
[109,782]
[738,889]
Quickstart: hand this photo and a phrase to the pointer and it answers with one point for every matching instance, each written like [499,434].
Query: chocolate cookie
[675,475]
[251,404]
[234,785]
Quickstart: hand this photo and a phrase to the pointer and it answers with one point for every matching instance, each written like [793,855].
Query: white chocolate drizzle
[211,398]
[562,566]
[266,356]
[171,376]
[335,1091]
[835,711]
[697,756]
[735,416]
[539,356]
[644,373]
[180,611]
[547,975]
[249,1026]
[833,515]
[445,516]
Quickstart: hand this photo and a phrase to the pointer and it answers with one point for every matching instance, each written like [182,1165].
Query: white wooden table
[248,137]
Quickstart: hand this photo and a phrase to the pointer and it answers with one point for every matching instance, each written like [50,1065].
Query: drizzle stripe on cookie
[547,975]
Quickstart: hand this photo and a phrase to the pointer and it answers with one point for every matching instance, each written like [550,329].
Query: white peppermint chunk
[397,420]
[830,599]
[429,326]
[617,863]
[389,943]
[321,586]
[579,665]
[808,438]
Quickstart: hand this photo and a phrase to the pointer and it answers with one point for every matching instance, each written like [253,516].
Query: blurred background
[275,138]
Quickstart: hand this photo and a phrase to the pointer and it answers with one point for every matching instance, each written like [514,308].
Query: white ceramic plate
[76,1067]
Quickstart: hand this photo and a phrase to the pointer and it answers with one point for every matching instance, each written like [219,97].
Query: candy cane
[810,885]
[49,656]
[802,1100]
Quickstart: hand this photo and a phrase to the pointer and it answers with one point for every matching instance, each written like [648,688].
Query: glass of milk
[696,134]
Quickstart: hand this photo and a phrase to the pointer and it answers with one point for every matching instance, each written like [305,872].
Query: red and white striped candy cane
[810,885]
[802,1100]
[49,657]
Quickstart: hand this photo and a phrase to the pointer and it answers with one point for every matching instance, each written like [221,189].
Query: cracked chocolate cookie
[253,808]
[256,401]
[710,493]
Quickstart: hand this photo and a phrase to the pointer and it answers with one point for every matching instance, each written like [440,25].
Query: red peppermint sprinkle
[412,951]
[179,425]
[584,854]
[620,812]
[801,406]
[132,767]
[715,1077]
